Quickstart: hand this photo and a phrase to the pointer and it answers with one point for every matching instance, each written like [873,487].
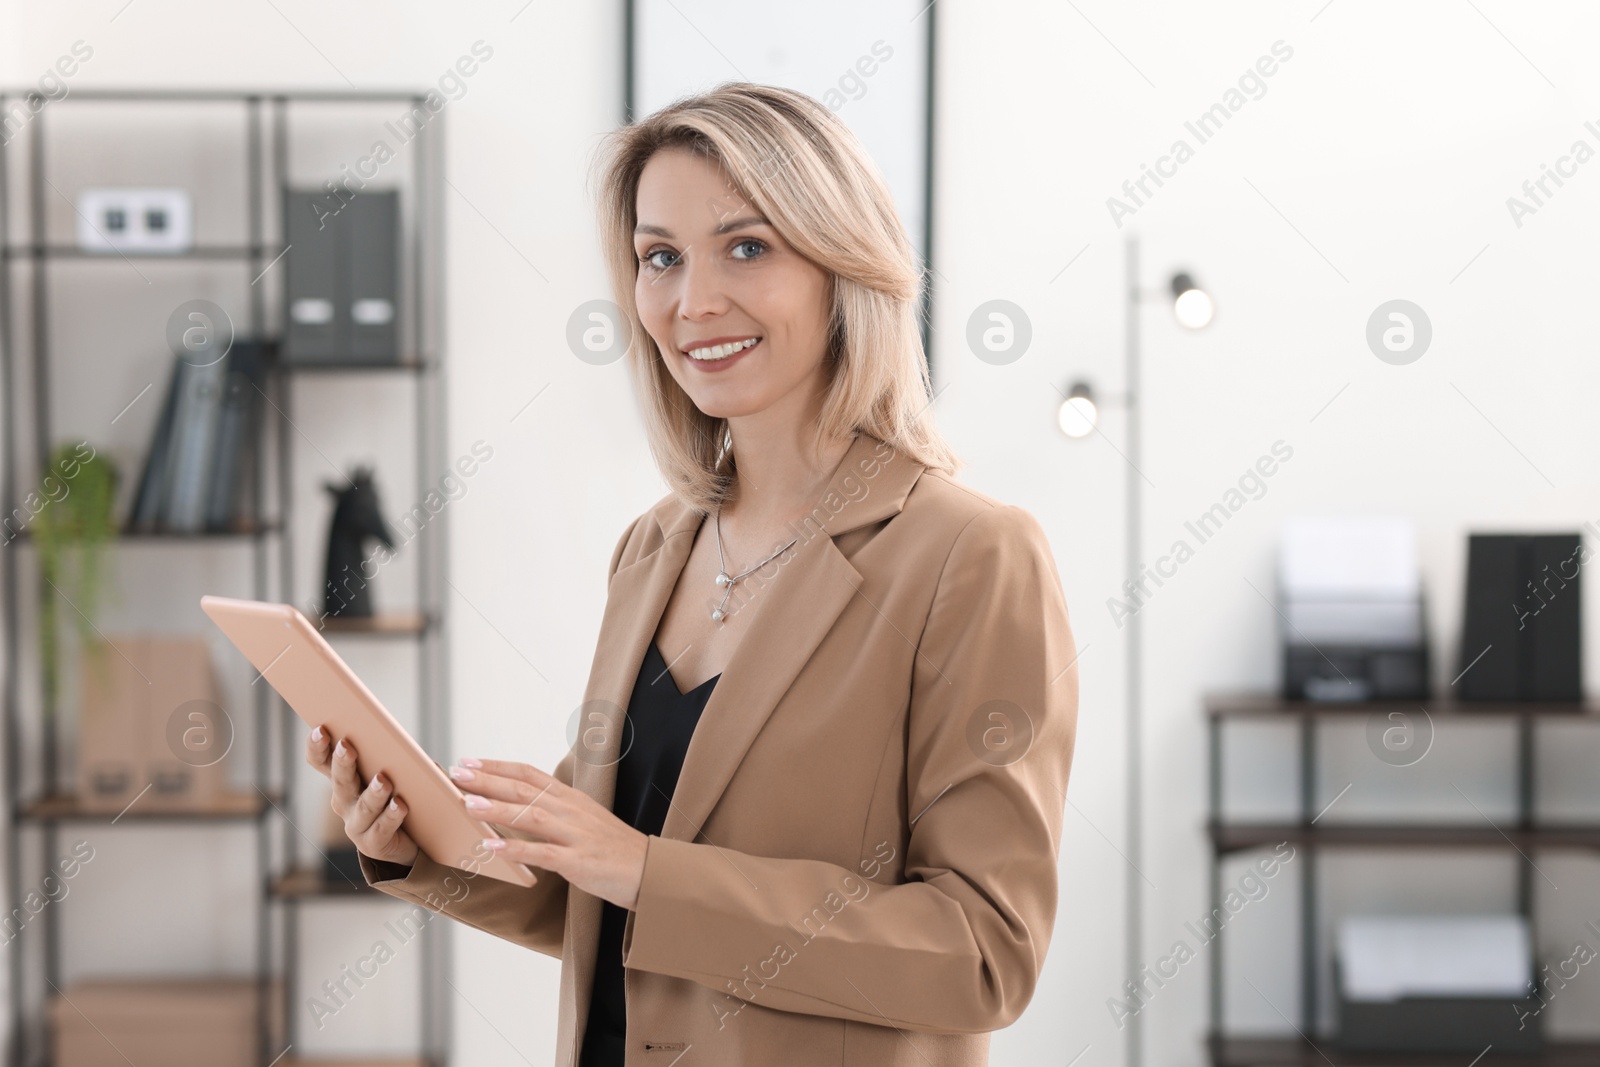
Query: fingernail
[338,748]
[476,802]
[494,843]
[468,761]
[392,805]
[316,734]
[376,783]
[461,774]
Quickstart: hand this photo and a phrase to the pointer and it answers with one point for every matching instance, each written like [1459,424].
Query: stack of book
[197,473]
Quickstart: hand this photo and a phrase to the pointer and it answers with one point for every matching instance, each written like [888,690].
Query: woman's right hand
[371,816]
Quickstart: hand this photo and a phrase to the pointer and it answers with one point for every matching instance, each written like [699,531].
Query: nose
[701,293]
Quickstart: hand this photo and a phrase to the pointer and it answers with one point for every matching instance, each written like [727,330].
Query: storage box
[1436,984]
[206,1022]
[1434,1024]
[151,717]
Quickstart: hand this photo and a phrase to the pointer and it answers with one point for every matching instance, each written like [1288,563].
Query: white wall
[1389,141]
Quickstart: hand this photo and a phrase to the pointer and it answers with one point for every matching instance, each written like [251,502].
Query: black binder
[1521,639]
[313,331]
[342,277]
[371,273]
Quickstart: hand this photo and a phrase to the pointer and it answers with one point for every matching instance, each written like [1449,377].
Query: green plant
[72,531]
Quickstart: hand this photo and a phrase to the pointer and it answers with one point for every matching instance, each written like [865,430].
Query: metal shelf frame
[1525,834]
[23,269]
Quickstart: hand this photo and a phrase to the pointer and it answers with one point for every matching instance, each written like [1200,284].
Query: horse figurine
[356,517]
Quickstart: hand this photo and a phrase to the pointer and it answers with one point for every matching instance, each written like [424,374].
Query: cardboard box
[205,1022]
[151,717]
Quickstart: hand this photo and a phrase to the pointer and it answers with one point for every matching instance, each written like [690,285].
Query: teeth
[721,351]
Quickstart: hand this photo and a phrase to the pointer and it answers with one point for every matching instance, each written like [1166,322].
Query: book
[236,436]
[146,509]
[195,419]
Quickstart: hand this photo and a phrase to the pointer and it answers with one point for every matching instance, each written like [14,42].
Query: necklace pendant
[717,615]
[722,579]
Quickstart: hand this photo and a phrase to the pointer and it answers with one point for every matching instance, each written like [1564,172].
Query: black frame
[630,111]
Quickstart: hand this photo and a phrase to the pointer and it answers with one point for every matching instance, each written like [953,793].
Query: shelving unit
[1524,833]
[288,880]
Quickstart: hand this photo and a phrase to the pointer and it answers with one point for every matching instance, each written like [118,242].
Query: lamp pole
[1135,733]
[1078,418]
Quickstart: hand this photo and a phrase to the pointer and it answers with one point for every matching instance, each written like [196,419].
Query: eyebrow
[731,224]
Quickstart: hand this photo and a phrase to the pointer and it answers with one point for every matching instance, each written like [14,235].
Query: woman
[813,812]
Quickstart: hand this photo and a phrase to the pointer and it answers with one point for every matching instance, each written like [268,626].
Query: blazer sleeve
[534,916]
[531,916]
[957,946]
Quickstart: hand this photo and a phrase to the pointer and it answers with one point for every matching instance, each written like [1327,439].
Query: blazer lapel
[795,601]
[800,595]
[635,602]
[809,586]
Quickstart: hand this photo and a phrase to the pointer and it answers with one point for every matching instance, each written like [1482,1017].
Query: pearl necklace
[717,614]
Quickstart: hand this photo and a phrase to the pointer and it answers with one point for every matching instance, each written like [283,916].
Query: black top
[660,722]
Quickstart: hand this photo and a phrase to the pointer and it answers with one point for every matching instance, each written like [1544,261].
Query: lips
[715,366]
[714,349]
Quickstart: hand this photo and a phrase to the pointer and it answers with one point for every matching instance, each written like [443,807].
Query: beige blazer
[858,866]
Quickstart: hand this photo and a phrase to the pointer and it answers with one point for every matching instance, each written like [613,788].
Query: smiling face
[717,282]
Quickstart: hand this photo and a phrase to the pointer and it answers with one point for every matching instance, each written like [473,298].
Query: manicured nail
[392,805]
[467,761]
[316,734]
[461,774]
[476,802]
[376,783]
[494,843]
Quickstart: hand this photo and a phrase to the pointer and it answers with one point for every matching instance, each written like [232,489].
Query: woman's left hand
[582,842]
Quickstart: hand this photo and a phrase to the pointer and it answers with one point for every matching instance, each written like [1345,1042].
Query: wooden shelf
[391,624]
[242,530]
[142,95]
[59,806]
[194,252]
[1232,837]
[304,882]
[355,1063]
[1294,1052]
[1256,705]
[128,533]
[408,364]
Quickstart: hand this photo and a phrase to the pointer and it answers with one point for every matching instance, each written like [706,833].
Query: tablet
[282,644]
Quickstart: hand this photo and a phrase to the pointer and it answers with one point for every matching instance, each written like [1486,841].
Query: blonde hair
[806,172]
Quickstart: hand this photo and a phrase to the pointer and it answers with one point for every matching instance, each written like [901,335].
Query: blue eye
[648,260]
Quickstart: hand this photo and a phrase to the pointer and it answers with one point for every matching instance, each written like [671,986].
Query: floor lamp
[1079,418]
